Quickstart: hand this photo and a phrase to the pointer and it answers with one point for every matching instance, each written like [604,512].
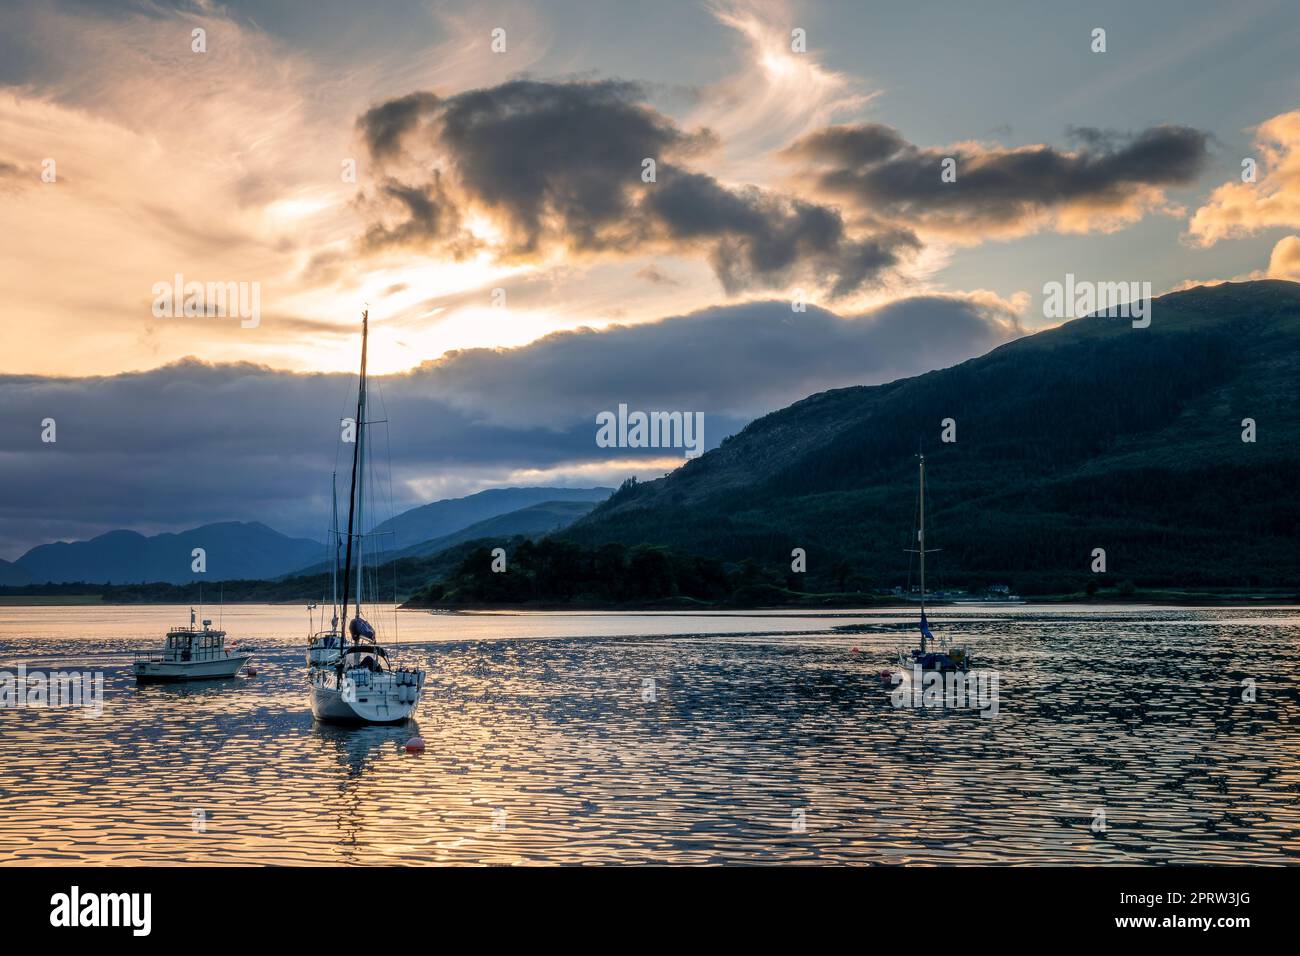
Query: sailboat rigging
[324,644]
[352,677]
[946,658]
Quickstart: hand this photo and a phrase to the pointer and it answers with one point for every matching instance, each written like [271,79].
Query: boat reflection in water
[357,749]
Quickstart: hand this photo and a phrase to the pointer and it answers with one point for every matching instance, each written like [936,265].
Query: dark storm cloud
[191,443]
[558,165]
[428,216]
[876,172]
[383,126]
[550,162]
[570,153]
[757,236]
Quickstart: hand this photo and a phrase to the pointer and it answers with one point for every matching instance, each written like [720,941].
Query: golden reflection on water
[541,746]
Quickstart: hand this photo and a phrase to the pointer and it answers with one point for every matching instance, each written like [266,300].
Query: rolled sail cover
[360,628]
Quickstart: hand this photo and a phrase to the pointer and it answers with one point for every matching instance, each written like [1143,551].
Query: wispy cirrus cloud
[164,160]
[776,94]
[222,163]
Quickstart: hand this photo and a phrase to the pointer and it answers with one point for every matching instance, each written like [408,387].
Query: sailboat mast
[334,539]
[356,450]
[361,457]
[920,546]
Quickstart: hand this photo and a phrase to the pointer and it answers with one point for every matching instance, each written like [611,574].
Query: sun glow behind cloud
[168,166]
[225,167]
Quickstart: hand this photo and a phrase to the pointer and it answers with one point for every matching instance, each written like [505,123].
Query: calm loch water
[764,738]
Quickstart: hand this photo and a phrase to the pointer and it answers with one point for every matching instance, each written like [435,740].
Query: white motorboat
[352,678]
[191,653]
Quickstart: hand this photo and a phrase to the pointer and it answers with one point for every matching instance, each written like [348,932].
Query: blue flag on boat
[925,628]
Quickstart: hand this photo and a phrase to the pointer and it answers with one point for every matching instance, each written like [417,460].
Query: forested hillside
[1091,435]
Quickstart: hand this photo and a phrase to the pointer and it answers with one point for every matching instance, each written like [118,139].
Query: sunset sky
[779,175]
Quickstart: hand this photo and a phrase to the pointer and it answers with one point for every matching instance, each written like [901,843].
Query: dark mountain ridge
[232,549]
[1090,435]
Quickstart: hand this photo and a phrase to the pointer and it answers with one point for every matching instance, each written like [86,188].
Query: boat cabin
[190,644]
[368,656]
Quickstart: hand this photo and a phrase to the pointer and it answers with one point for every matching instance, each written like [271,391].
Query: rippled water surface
[769,738]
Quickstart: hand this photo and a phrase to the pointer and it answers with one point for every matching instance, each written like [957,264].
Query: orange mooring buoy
[415,745]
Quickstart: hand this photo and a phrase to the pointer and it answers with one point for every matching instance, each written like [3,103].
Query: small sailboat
[190,653]
[358,683]
[946,658]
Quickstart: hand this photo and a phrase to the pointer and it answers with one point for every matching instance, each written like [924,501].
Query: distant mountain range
[11,574]
[442,518]
[1090,435]
[252,551]
[531,521]
[232,549]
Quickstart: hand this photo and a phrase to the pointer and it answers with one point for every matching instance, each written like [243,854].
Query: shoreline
[1171,598]
[1289,600]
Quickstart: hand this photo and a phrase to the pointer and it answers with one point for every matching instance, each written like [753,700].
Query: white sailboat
[356,682]
[946,658]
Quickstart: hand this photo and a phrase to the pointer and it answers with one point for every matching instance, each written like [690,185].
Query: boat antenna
[352,492]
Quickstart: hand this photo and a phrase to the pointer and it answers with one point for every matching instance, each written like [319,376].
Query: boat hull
[949,660]
[382,701]
[175,672]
